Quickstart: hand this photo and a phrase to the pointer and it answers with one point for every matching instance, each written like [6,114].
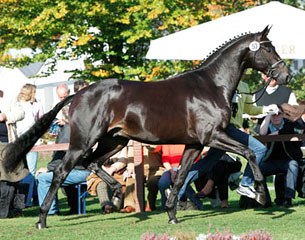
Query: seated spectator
[152,173]
[171,156]
[129,195]
[61,122]
[129,178]
[282,157]
[45,175]
[121,167]
[97,186]
[217,179]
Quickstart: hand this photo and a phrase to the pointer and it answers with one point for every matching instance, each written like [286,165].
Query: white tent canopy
[197,42]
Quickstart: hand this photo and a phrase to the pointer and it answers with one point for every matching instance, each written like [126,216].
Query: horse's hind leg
[115,186]
[189,156]
[59,175]
[107,148]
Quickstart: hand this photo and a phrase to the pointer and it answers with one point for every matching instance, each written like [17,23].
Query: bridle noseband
[272,69]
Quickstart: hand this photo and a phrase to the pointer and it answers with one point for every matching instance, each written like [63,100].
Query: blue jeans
[44,181]
[31,159]
[259,150]
[288,167]
[204,165]
[165,182]
[256,146]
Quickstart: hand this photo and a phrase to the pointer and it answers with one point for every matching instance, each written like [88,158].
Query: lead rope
[261,95]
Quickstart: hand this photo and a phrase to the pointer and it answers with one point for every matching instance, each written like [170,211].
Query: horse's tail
[16,151]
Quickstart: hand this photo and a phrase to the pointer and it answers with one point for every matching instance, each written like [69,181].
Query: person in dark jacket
[45,176]
[275,94]
[11,201]
[282,157]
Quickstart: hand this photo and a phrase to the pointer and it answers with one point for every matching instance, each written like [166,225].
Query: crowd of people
[212,174]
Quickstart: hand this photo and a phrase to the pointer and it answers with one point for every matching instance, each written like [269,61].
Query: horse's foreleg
[225,143]
[260,196]
[189,155]
[59,175]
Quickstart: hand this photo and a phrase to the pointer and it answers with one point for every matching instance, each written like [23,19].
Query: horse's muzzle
[282,78]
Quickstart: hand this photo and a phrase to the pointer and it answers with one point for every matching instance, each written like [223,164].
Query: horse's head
[263,57]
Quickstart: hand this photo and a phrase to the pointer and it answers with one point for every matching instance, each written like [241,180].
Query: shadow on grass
[275,211]
[93,213]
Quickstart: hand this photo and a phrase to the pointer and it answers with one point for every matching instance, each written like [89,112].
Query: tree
[112,35]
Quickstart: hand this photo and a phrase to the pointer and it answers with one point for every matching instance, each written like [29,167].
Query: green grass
[281,223]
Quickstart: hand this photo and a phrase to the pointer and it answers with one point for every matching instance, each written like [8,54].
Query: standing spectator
[275,94]
[63,91]
[282,157]
[33,110]
[10,113]
[37,105]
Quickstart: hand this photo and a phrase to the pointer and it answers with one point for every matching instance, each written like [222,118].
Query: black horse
[192,108]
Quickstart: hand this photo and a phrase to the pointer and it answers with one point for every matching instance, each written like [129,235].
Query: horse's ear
[266,31]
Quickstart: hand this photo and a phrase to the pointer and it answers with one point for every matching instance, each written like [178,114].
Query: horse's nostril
[288,78]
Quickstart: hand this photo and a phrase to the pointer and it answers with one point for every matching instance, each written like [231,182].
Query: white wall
[12,79]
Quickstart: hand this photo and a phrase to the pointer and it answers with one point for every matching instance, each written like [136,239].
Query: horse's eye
[268,49]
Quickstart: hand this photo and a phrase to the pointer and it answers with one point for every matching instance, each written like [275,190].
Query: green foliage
[113,35]
[298,85]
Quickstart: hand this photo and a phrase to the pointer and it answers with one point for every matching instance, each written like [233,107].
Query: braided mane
[221,47]
[213,53]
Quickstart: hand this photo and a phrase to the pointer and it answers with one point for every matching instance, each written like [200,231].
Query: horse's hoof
[173,221]
[117,202]
[260,198]
[39,226]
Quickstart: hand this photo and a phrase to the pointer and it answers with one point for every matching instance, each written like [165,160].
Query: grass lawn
[281,223]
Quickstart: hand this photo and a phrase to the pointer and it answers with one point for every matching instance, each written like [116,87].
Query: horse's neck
[228,71]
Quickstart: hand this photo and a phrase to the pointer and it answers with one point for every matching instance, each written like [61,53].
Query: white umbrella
[197,42]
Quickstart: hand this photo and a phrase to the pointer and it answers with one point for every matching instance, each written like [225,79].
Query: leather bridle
[269,73]
[271,69]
